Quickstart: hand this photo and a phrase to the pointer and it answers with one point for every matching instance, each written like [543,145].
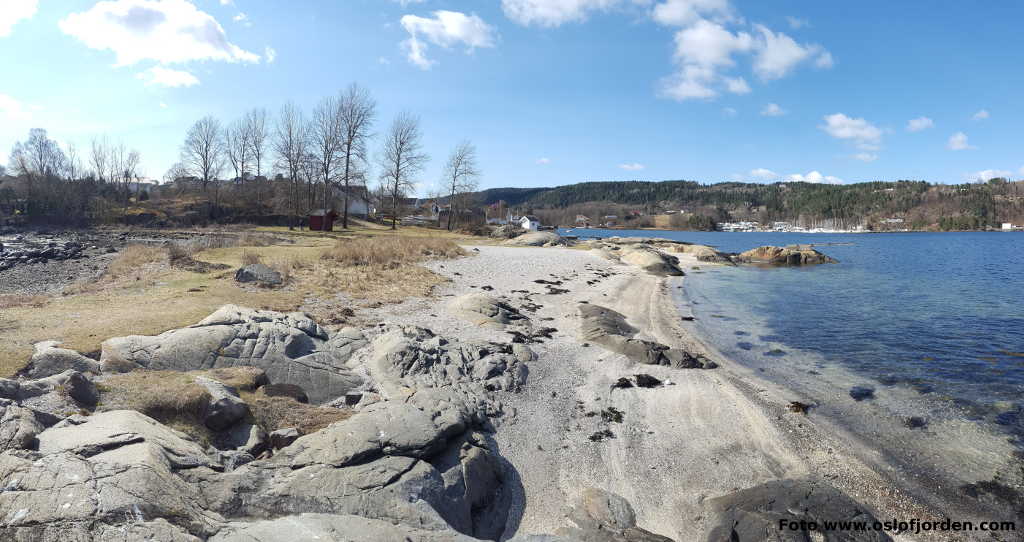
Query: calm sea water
[941,314]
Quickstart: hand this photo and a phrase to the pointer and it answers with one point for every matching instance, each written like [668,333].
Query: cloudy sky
[551,91]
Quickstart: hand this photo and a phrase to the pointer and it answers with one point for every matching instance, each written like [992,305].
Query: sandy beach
[704,434]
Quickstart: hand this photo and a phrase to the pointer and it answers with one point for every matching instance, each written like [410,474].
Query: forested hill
[912,204]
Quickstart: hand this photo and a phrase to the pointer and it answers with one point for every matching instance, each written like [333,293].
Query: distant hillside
[880,205]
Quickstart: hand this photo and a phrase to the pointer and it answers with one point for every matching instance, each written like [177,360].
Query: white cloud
[796,23]
[778,54]
[12,109]
[242,18]
[552,13]
[543,161]
[866,156]
[986,174]
[772,110]
[14,11]
[167,31]
[686,12]
[980,115]
[226,2]
[407,3]
[270,54]
[165,77]
[737,85]
[764,174]
[919,124]
[865,135]
[729,111]
[445,29]
[701,50]
[813,177]
[632,167]
[958,142]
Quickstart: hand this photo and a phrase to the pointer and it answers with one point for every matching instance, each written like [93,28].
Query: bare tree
[325,137]
[73,164]
[401,158]
[460,176]
[256,126]
[100,158]
[37,158]
[177,171]
[203,151]
[357,110]
[237,143]
[290,147]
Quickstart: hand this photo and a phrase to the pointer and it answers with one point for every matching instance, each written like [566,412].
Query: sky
[551,92]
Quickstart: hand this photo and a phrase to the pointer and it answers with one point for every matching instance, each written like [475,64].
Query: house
[582,221]
[322,220]
[529,223]
[1007,226]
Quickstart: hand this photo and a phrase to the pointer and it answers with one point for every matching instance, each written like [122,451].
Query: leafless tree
[35,159]
[177,171]
[237,143]
[256,126]
[73,164]
[357,110]
[290,147]
[401,158]
[325,137]
[100,158]
[460,176]
[203,151]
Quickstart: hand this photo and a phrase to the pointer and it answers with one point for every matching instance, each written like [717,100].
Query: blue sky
[550,91]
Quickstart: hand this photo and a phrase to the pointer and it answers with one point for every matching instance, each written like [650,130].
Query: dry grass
[10,301]
[169,397]
[391,253]
[273,413]
[249,257]
[136,260]
[241,378]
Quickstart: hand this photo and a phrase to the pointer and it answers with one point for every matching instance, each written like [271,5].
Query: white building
[1007,226]
[529,223]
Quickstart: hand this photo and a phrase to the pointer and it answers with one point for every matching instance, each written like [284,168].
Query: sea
[931,323]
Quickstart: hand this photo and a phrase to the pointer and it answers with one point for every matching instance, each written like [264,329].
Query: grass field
[144,294]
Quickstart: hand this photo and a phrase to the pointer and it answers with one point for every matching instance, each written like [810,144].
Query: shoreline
[710,433]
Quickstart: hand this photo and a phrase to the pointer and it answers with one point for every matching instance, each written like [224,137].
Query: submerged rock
[860,393]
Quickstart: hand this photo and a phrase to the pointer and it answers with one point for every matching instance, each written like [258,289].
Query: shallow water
[940,315]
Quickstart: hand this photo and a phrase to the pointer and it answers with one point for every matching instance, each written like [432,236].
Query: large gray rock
[650,259]
[225,407]
[600,516]
[609,329]
[259,274]
[20,425]
[480,309]
[788,255]
[537,239]
[333,528]
[291,348]
[754,515]
[48,360]
[72,383]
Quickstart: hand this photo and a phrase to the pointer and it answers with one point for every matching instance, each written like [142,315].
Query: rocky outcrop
[225,407]
[603,326]
[19,425]
[507,231]
[480,309]
[600,516]
[754,515]
[537,239]
[259,274]
[789,255]
[650,259]
[58,393]
[291,348]
[48,360]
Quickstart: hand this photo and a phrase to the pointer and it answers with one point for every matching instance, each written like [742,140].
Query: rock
[291,348]
[333,527]
[508,231]
[789,255]
[480,309]
[651,260]
[244,437]
[70,382]
[537,239]
[609,329]
[260,274]
[283,437]
[860,393]
[49,360]
[225,407]
[601,516]
[647,381]
[285,390]
[19,426]
[754,515]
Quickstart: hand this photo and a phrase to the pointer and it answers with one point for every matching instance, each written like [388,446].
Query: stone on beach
[788,255]
[609,329]
[482,309]
[537,239]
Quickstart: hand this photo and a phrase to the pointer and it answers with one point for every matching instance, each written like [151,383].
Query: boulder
[49,360]
[283,437]
[609,329]
[754,515]
[650,259]
[19,425]
[600,516]
[291,348]
[508,231]
[72,383]
[537,239]
[225,407]
[480,309]
[333,527]
[789,255]
[285,390]
[260,274]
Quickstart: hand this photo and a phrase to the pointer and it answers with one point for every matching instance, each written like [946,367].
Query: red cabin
[321,220]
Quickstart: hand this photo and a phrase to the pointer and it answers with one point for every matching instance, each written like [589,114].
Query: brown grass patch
[135,259]
[10,301]
[249,257]
[390,253]
[273,413]
[170,397]
[241,378]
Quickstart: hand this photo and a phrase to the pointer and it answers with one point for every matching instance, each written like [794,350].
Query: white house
[529,222]
[1007,226]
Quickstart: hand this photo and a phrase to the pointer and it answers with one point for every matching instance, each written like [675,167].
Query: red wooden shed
[321,220]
